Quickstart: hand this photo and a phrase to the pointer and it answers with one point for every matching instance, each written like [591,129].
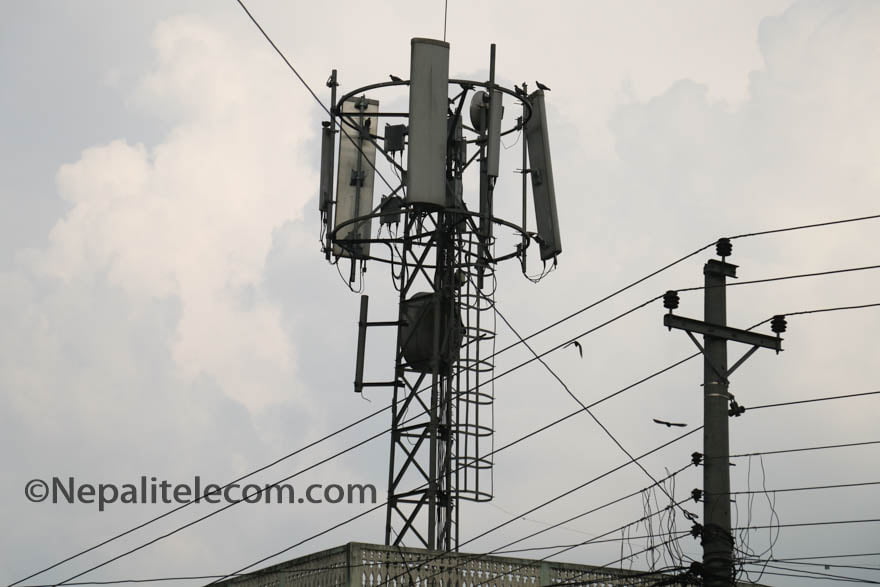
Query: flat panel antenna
[428,105]
[541,170]
[354,186]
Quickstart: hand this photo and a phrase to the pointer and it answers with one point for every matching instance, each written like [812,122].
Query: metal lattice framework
[442,262]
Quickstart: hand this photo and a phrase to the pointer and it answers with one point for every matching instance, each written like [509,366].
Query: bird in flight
[542,86]
[669,424]
[578,346]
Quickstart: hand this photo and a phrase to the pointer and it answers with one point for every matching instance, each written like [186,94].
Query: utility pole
[718,406]
[717,537]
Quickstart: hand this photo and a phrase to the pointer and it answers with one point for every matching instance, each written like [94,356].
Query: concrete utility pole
[718,406]
[717,537]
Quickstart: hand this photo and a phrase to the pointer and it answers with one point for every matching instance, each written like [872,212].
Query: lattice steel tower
[442,248]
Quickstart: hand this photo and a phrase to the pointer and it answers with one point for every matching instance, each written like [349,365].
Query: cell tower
[441,244]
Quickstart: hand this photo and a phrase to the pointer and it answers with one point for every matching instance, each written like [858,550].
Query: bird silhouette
[578,346]
[542,86]
[518,91]
[669,424]
[394,78]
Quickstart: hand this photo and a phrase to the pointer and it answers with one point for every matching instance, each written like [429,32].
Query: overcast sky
[166,310]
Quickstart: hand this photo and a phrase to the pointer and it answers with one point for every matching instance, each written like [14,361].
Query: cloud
[192,217]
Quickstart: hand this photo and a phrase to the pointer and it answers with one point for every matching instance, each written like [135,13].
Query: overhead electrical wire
[493,529]
[788,559]
[326,437]
[805,449]
[826,565]
[312,93]
[522,340]
[805,574]
[783,278]
[536,357]
[810,524]
[813,400]
[808,488]
[563,549]
[819,311]
[579,402]
[504,548]
[805,226]
[206,494]
[275,572]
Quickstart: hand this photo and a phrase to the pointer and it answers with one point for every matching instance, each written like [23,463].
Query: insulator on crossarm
[778,324]
[670,300]
[723,247]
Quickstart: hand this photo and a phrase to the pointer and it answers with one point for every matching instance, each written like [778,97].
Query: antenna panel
[493,145]
[325,194]
[541,171]
[428,105]
[355,177]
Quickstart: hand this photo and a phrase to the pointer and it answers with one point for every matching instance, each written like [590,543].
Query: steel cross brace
[757,340]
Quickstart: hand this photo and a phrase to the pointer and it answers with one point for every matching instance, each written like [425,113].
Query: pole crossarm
[725,332]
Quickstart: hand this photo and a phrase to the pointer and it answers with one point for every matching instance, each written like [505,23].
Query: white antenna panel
[355,177]
[428,105]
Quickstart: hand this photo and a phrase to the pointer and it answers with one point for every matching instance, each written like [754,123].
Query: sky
[167,311]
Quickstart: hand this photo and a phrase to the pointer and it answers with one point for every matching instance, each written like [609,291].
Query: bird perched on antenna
[542,86]
[669,424]
[578,346]
[394,78]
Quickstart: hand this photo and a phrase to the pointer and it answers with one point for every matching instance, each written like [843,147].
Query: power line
[565,548]
[819,310]
[813,400]
[786,277]
[811,488]
[685,258]
[580,403]
[582,485]
[805,574]
[529,435]
[224,508]
[805,558]
[335,455]
[841,579]
[808,524]
[619,467]
[537,357]
[315,96]
[500,549]
[613,294]
[573,581]
[804,226]
[804,449]
[859,307]
[209,494]
[827,565]
[275,572]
